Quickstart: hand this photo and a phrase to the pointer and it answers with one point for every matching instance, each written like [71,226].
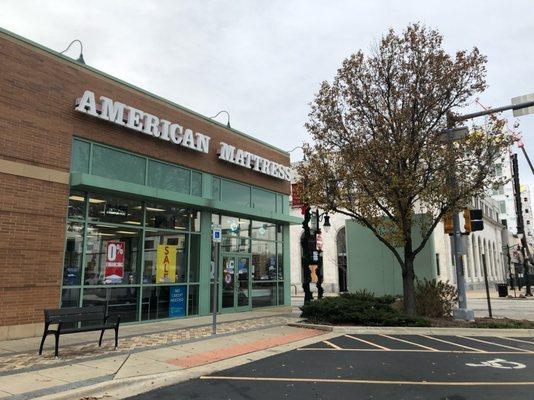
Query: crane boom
[528,159]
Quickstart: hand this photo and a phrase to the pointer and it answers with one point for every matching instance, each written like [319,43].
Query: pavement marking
[454,344]
[367,342]
[498,363]
[519,340]
[495,344]
[414,351]
[336,347]
[407,341]
[365,381]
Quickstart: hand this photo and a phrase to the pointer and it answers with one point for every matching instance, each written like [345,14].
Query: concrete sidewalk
[160,352]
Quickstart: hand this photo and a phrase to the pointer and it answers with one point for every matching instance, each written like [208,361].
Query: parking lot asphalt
[377,366]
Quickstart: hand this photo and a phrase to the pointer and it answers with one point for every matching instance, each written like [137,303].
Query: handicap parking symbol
[498,363]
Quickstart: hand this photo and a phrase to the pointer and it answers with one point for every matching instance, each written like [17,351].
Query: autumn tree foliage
[378,151]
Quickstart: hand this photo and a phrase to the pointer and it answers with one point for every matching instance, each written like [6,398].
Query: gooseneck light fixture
[227,114]
[80,57]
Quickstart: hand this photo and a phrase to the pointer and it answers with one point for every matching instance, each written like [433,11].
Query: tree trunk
[408,287]
[408,276]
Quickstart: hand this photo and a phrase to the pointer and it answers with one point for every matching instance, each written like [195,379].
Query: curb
[132,386]
[417,330]
[316,327]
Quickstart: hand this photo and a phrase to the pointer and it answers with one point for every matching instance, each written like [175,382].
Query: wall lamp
[80,57]
[220,112]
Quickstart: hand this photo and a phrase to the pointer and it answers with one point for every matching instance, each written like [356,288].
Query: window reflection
[72,263]
[107,208]
[263,230]
[263,260]
[165,257]
[167,217]
[112,255]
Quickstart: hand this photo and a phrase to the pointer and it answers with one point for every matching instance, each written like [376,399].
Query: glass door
[235,282]
[243,282]
[228,282]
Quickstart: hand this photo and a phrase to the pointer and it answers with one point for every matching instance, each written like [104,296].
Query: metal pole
[214,290]
[462,312]
[490,111]
[487,285]
[460,281]
[512,282]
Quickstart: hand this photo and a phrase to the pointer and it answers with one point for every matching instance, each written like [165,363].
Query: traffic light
[473,220]
[448,225]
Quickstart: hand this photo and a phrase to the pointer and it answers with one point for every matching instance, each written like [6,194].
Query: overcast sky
[263,60]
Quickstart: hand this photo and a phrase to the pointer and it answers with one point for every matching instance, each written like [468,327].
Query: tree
[377,153]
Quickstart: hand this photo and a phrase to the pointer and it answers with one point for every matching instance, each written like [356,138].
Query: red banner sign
[114,272]
[296,195]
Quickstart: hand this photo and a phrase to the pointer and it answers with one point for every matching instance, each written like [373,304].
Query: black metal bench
[84,319]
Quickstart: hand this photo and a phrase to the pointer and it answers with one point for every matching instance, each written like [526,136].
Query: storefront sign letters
[166,263]
[149,124]
[253,161]
[114,272]
[177,296]
[140,121]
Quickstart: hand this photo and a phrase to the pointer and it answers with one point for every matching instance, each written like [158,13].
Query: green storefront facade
[129,210]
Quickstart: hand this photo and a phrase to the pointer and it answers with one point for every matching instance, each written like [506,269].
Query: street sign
[523,99]
[216,234]
[454,134]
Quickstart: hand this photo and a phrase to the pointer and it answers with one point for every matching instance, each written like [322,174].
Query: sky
[263,61]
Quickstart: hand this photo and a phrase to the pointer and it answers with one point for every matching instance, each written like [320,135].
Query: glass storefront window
[280,293]
[196,184]
[165,257]
[194,258]
[70,298]
[216,189]
[167,217]
[164,302]
[263,260]
[76,205]
[233,226]
[119,301]
[106,208]
[72,263]
[263,294]
[193,300]
[118,229]
[263,230]
[235,244]
[195,221]
[112,255]
[280,260]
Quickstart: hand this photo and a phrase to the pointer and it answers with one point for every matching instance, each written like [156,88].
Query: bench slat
[75,310]
[75,314]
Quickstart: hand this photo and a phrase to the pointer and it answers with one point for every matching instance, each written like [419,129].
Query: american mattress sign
[174,133]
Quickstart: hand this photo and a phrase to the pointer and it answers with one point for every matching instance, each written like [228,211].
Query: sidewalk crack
[124,362]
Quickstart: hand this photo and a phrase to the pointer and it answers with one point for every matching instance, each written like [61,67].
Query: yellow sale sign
[166,263]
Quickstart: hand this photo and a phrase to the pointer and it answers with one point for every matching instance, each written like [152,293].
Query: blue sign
[177,298]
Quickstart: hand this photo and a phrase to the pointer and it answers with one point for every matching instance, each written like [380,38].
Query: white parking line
[369,343]
[365,381]
[408,342]
[332,345]
[494,344]
[412,351]
[454,344]
[520,341]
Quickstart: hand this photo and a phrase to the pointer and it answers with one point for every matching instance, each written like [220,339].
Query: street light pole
[462,313]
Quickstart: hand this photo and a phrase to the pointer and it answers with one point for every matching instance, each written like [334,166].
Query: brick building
[108,194]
